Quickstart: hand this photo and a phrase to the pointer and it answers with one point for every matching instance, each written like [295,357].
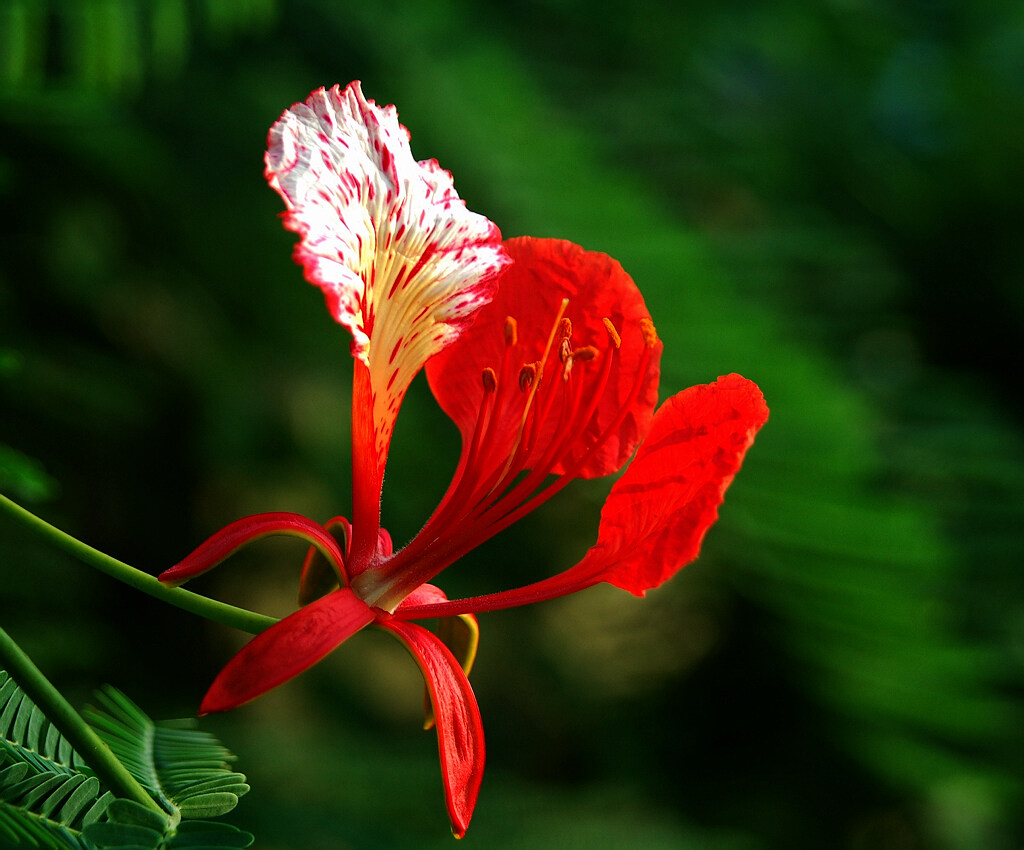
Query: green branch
[220,612]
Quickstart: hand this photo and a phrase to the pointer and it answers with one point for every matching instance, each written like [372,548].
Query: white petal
[402,262]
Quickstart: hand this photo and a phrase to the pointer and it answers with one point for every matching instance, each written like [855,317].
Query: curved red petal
[460,731]
[460,633]
[288,648]
[531,291]
[659,511]
[317,578]
[233,537]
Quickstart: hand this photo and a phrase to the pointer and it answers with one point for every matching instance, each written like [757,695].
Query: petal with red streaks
[401,261]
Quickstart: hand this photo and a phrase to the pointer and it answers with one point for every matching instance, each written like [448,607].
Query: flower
[545,357]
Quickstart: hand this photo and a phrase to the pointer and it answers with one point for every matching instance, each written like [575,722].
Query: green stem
[70,724]
[220,612]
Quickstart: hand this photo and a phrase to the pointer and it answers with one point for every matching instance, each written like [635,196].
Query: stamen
[614,334]
[564,346]
[527,375]
[648,332]
[554,417]
[567,361]
[490,380]
[511,331]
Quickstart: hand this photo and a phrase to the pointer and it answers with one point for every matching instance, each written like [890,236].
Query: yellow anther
[490,380]
[565,328]
[511,331]
[614,334]
[648,332]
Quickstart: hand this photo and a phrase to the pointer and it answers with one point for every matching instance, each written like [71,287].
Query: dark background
[825,197]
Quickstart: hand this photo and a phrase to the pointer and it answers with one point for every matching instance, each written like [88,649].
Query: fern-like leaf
[186,770]
[50,799]
[47,794]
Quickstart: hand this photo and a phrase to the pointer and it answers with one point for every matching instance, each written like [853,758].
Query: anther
[490,380]
[511,331]
[565,328]
[648,332]
[588,352]
[527,375]
[614,334]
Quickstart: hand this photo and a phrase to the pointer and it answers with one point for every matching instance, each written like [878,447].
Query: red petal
[461,633]
[288,648]
[460,732]
[233,537]
[544,272]
[659,511]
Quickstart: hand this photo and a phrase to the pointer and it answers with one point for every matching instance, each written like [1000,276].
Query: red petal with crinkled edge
[288,648]
[401,261]
[543,273]
[234,536]
[460,731]
[658,512]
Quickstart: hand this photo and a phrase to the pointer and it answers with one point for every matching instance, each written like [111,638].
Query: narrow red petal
[288,648]
[233,537]
[460,731]
[318,578]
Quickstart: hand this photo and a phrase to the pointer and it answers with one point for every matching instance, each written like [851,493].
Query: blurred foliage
[824,197]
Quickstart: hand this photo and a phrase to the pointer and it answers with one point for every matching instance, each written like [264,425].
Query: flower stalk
[195,603]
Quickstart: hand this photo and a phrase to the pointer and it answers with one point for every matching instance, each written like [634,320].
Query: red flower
[544,356]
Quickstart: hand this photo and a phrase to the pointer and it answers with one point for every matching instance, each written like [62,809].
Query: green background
[825,197]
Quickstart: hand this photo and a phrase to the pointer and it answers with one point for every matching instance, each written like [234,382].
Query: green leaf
[186,770]
[110,834]
[46,794]
[204,835]
[50,799]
